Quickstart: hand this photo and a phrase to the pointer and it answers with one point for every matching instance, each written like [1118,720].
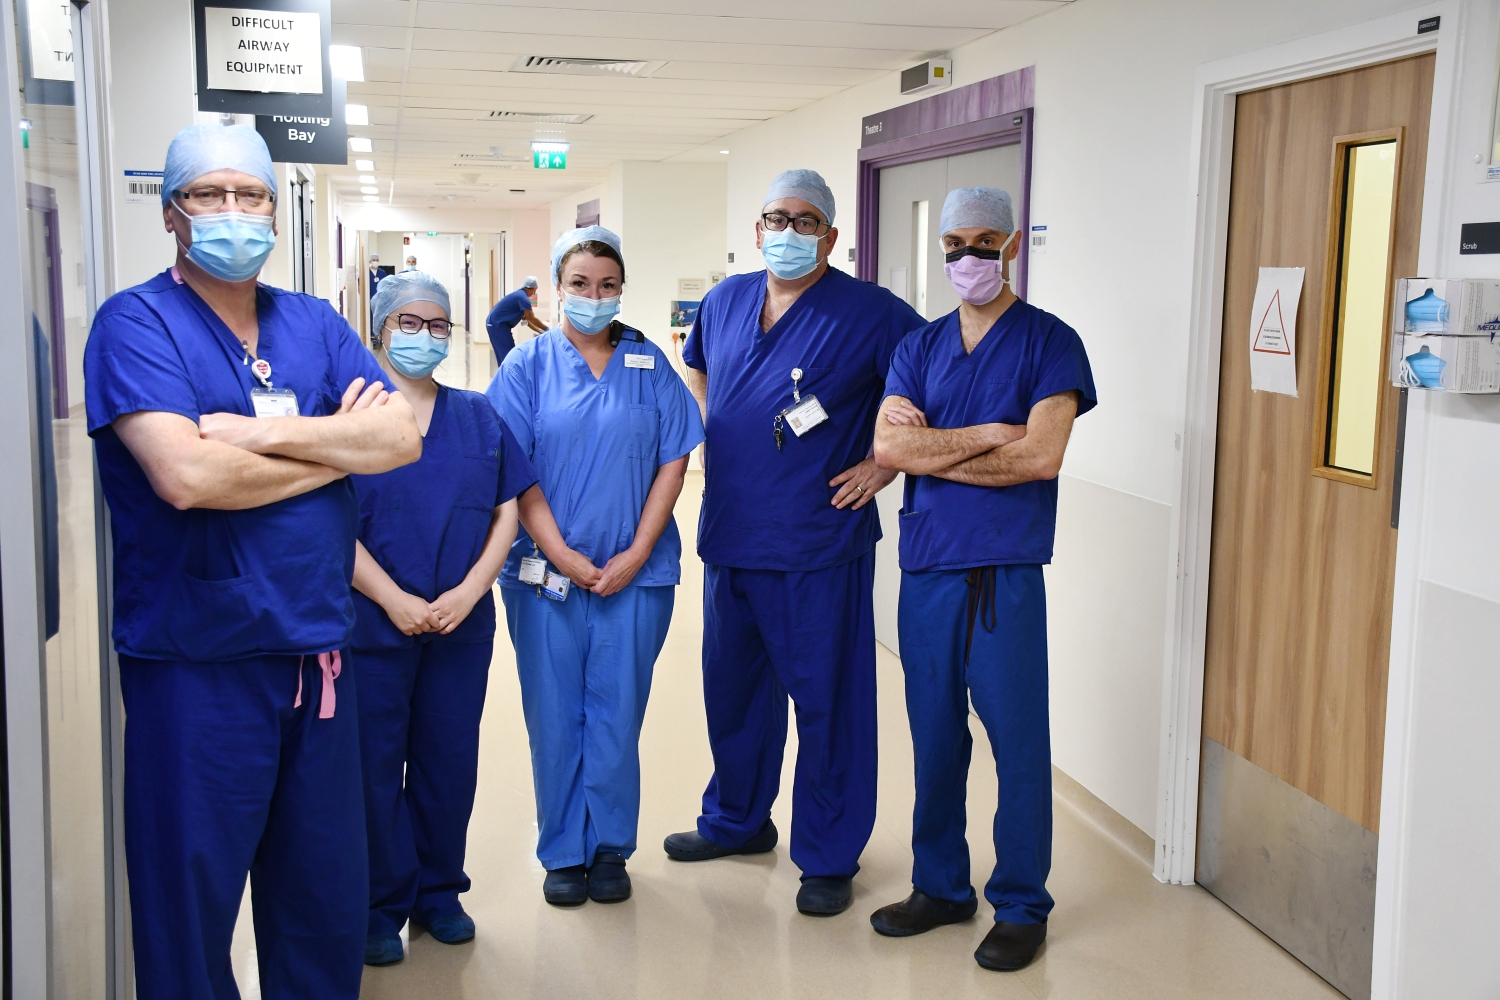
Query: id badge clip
[803,415]
[274,402]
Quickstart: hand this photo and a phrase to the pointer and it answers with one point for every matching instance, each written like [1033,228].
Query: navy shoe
[920,913]
[383,949]
[1008,947]
[693,846]
[566,886]
[450,928]
[608,880]
[821,896]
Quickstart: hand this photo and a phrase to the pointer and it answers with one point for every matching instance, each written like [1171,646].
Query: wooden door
[1303,551]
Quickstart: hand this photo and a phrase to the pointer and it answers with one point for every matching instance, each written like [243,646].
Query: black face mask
[979,252]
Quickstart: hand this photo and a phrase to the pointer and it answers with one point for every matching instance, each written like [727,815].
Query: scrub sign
[270,51]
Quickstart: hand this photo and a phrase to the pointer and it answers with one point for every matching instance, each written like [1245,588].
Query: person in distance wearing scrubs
[411,263]
[790,364]
[514,308]
[227,417]
[375,273]
[432,538]
[978,409]
[588,588]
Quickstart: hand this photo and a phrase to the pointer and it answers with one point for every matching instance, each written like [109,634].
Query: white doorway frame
[1216,85]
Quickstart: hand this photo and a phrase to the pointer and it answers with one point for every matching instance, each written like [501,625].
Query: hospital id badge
[274,402]
[555,586]
[533,570]
[805,415]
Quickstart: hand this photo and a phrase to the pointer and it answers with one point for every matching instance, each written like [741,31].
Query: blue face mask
[415,355]
[789,255]
[591,315]
[231,246]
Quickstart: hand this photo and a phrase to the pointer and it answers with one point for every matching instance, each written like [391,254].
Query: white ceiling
[435,69]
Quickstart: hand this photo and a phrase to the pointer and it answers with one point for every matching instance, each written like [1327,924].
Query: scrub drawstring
[981,581]
[333,665]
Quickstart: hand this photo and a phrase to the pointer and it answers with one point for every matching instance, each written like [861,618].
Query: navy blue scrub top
[503,318]
[597,444]
[214,585]
[1026,356]
[425,523]
[770,509]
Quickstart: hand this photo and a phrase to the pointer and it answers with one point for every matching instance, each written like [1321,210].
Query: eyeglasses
[412,323]
[211,199]
[807,225]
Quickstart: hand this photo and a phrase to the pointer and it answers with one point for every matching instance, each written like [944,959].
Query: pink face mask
[977,280]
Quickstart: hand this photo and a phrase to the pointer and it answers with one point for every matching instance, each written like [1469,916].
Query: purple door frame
[994,112]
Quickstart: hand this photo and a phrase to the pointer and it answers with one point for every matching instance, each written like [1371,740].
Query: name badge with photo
[805,415]
[274,402]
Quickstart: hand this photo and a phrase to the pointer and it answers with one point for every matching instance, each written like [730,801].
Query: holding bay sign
[270,51]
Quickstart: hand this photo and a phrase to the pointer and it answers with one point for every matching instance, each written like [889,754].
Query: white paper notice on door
[1273,330]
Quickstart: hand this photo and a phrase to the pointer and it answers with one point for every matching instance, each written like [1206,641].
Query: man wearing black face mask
[977,413]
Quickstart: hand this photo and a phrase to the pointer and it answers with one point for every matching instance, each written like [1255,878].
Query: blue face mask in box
[591,316]
[415,355]
[789,255]
[231,246]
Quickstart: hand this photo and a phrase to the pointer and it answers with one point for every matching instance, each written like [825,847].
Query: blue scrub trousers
[769,634]
[419,710]
[224,776]
[1007,679]
[585,666]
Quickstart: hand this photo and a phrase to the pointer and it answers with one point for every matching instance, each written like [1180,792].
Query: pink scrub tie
[332,665]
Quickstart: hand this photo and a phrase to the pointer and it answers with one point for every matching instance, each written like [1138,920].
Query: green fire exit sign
[549,161]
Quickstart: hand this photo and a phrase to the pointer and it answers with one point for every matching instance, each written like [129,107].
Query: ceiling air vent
[537,117]
[587,67]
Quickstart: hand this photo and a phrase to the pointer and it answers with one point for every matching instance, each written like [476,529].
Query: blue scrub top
[1026,356]
[770,509]
[213,585]
[597,443]
[426,523]
[503,318]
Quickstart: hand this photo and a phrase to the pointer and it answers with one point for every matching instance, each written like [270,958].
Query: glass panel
[59,304]
[1359,331]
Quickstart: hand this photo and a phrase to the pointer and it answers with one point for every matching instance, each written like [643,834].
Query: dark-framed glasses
[440,329]
[807,225]
[211,199]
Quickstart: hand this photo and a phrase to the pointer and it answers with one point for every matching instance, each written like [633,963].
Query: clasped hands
[413,616]
[613,578]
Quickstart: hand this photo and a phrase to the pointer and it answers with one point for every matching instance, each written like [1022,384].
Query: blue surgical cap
[805,184]
[530,282]
[202,149]
[402,288]
[977,208]
[572,238]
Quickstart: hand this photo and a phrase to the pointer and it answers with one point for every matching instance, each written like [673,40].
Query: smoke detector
[587,67]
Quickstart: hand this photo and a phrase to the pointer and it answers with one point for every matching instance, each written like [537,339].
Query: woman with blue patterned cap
[588,588]
[432,538]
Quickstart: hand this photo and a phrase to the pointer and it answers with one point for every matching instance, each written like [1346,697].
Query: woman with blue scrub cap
[228,417]
[432,538]
[588,588]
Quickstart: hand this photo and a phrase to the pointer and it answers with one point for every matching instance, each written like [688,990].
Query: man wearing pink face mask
[977,413]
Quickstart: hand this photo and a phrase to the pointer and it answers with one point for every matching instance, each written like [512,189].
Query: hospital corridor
[661,499]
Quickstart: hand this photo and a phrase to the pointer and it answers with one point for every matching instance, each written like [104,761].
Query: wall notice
[1273,330]
[51,40]
[267,51]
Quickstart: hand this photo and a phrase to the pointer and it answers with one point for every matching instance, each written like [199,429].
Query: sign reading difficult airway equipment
[271,51]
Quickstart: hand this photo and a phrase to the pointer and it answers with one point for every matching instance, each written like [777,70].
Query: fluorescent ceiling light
[366,165]
[371,189]
[356,114]
[371,197]
[360,144]
[549,147]
[367,178]
[724,151]
[347,62]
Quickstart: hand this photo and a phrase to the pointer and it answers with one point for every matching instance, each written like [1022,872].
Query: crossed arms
[981,455]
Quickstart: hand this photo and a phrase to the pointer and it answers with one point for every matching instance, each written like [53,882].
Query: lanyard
[259,367]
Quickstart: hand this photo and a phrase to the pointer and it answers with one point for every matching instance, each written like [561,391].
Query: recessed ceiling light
[724,151]
[371,197]
[369,190]
[367,166]
[360,144]
[367,178]
[356,114]
[549,147]
[347,62]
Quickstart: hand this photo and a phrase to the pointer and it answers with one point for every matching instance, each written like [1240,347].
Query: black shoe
[1008,947]
[693,846]
[920,913]
[821,896]
[566,886]
[608,881]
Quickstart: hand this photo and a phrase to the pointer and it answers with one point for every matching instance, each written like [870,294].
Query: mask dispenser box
[1443,335]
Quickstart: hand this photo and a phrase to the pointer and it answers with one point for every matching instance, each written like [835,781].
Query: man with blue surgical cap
[978,409]
[789,364]
[227,418]
[510,310]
